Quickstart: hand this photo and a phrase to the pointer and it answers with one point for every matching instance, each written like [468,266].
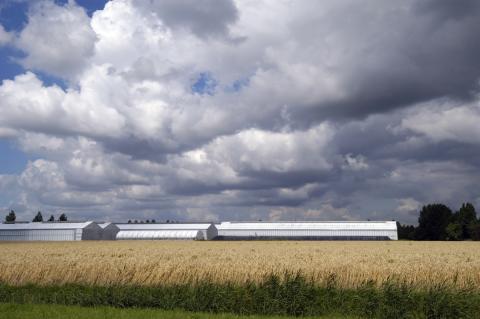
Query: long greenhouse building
[57,231]
[166,231]
[368,230]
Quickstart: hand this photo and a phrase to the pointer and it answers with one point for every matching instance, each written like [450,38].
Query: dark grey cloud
[449,9]
[395,56]
[204,18]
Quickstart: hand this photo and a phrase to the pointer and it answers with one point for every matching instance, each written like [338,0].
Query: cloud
[254,159]
[450,121]
[53,111]
[355,163]
[57,39]
[408,205]
[324,212]
[245,109]
[5,37]
[204,18]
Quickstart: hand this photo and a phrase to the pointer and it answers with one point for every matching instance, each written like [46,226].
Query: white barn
[59,231]
[369,230]
[192,231]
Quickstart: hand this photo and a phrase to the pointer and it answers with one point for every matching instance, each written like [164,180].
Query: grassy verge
[291,295]
[29,311]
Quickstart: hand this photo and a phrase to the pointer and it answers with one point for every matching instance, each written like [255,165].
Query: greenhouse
[166,231]
[55,231]
[368,230]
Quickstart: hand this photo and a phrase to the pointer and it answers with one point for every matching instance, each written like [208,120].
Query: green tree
[405,231]
[63,218]
[38,218]
[454,231]
[432,222]
[10,218]
[466,217]
[51,219]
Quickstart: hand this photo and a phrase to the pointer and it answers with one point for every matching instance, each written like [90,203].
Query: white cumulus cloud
[57,39]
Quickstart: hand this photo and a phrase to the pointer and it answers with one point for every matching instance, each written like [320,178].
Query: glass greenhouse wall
[159,234]
[167,231]
[308,231]
[50,231]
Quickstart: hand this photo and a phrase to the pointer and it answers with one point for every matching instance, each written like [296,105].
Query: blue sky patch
[205,84]
[12,160]
[49,80]
[13,15]
[8,67]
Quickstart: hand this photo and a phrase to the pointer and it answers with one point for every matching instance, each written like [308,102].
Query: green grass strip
[30,311]
[291,295]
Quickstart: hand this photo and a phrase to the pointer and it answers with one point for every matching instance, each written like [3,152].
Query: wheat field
[420,264]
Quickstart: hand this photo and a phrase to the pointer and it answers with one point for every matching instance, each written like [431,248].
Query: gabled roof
[329,225]
[105,225]
[46,226]
[157,234]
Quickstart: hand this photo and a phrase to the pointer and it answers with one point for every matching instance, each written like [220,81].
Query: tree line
[438,222]
[148,221]
[153,221]
[11,217]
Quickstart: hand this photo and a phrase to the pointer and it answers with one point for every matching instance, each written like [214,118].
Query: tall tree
[63,218]
[51,219]
[432,222]
[38,218]
[10,218]
[466,216]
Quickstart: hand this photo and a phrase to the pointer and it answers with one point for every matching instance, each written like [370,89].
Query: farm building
[50,231]
[371,230]
[166,231]
[110,231]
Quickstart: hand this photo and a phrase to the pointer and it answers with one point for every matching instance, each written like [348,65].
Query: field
[330,279]
[150,263]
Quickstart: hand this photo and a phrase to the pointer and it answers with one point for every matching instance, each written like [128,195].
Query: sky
[213,110]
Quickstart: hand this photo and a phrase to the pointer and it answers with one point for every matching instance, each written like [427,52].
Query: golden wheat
[421,264]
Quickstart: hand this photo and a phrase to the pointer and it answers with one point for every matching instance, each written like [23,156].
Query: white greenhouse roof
[61,225]
[157,234]
[163,226]
[368,225]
